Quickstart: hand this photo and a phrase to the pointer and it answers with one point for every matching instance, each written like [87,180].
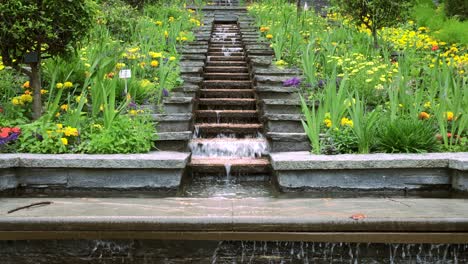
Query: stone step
[205,129]
[226,114]
[224,58]
[234,165]
[226,64]
[227,93]
[226,54]
[222,84]
[227,101]
[226,45]
[221,49]
[226,69]
[226,76]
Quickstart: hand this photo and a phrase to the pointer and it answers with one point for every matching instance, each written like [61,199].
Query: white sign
[125,74]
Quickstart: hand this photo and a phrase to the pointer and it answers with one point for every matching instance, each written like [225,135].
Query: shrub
[375,14]
[126,135]
[405,135]
[458,8]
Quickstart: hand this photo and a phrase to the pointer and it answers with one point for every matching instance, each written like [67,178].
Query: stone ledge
[305,161]
[156,159]
[251,214]
[169,136]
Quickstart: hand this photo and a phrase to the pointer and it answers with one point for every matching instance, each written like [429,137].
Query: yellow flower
[64,141]
[26,98]
[119,65]
[64,107]
[449,116]
[159,23]
[26,85]
[171,19]
[328,122]
[16,101]
[59,85]
[43,91]
[70,131]
[264,29]
[183,38]
[427,104]
[281,63]
[133,112]
[166,34]
[346,122]
[154,63]
[172,58]
[101,108]
[59,126]
[155,55]
[67,85]
[269,36]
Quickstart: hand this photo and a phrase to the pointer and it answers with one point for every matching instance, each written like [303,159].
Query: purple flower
[294,81]
[165,92]
[12,137]
[321,83]
[132,105]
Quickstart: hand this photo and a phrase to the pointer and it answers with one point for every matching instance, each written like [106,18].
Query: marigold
[64,107]
[26,85]
[70,131]
[67,85]
[424,116]
[26,98]
[154,63]
[449,115]
[346,122]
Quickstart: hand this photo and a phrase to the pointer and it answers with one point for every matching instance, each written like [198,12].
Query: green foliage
[375,14]
[341,141]
[448,29]
[457,8]
[364,124]
[312,124]
[42,138]
[126,135]
[48,26]
[404,135]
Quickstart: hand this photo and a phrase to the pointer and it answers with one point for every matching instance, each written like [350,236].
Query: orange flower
[424,116]
[26,85]
[449,116]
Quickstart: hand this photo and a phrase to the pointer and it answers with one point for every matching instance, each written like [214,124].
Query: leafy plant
[363,124]
[125,135]
[312,124]
[404,135]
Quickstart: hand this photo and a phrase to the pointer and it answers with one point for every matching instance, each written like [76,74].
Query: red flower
[5,132]
[435,47]
[16,130]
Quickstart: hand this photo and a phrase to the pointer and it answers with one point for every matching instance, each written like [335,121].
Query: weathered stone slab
[187,64]
[122,179]
[172,117]
[276,89]
[364,178]
[307,161]
[184,135]
[8,161]
[157,159]
[273,70]
[261,60]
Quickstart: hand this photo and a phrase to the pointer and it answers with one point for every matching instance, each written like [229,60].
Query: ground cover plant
[384,82]
[60,90]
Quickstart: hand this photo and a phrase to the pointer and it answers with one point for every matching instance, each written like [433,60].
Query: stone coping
[238,215]
[304,160]
[151,160]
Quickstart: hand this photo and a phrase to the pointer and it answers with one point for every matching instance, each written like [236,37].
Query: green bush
[457,8]
[126,135]
[405,135]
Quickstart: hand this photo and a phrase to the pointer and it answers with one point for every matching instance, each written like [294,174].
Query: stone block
[460,180]
[122,179]
[8,179]
[370,179]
